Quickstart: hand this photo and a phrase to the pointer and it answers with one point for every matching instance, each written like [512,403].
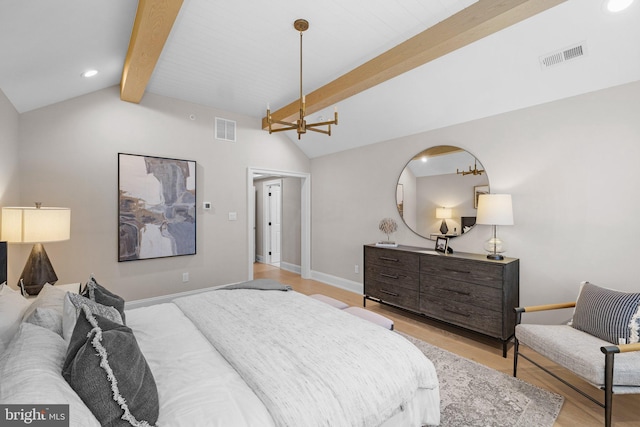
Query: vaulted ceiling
[239,56]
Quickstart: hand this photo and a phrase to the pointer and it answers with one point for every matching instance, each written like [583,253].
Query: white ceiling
[240,55]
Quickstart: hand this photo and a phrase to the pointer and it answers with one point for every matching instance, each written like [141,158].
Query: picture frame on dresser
[441,244]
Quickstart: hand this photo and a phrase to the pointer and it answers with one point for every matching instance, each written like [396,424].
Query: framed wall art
[156,207]
[477,191]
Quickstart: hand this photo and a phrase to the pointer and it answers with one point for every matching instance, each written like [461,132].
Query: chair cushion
[607,314]
[580,353]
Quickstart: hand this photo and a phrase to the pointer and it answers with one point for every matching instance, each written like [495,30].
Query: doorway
[272,221]
[305,217]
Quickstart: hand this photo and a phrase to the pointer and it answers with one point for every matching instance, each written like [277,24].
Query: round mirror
[437,192]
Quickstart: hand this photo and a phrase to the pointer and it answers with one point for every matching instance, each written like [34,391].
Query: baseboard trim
[291,267]
[338,282]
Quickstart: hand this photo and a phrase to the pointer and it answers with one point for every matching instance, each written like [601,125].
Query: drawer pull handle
[457,312]
[384,258]
[390,276]
[459,292]
[457,271]
[393,294]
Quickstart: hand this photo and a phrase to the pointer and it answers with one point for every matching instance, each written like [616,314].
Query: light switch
[233,216]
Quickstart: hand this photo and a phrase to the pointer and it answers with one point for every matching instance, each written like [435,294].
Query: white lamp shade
[443,213]
[35,225]
[495,209]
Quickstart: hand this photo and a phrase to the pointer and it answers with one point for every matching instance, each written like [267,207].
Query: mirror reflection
[437,192]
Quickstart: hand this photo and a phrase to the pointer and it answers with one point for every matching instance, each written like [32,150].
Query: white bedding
[311,364]
[196,386]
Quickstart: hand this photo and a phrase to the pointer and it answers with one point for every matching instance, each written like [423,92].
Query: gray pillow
[102,295]
[610,315]
[106,368]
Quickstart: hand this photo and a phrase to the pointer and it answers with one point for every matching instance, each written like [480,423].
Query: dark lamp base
[37,271]
[496,257]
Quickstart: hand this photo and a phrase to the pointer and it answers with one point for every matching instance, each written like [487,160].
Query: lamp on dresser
[36,225]
[494,210]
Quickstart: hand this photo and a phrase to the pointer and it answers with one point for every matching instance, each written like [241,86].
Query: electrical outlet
[185,277]
[357,269]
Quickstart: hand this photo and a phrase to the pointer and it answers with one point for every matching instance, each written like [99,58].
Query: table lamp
[443,214]
[495,209]
[36,225]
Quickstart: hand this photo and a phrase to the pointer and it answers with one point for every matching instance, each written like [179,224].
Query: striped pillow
[607,314]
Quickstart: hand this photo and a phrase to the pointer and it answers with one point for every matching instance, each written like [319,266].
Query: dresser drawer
[469,316]
[461,269]
[465,292]
[393,276]
[402,297]
[392,258]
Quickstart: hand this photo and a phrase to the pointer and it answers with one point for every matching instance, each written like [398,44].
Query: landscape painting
[156,207]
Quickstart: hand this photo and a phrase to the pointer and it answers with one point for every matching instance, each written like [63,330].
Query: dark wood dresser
[462,289]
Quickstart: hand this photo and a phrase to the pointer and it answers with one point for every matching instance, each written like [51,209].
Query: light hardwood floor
[576,411]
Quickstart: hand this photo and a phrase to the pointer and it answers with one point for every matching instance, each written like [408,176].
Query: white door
[273,209]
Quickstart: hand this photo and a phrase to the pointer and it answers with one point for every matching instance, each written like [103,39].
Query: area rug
[472,394]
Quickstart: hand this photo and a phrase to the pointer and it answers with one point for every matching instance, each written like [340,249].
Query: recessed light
[617,5]
[89,73]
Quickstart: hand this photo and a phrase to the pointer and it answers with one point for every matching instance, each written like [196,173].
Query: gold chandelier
[301,125]
[474,171]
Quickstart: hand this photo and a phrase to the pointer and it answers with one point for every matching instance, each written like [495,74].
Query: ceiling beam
[479,20]
[153,23]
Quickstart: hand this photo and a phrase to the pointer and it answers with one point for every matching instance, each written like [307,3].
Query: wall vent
[559,57]
[225,129]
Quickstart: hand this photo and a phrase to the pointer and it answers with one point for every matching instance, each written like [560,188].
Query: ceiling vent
[225,129]
[564,55]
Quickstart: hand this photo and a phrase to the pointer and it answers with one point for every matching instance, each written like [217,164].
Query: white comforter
[311,364]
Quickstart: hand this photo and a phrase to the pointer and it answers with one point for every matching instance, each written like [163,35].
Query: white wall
[571,166]
[9,183]
[68,157]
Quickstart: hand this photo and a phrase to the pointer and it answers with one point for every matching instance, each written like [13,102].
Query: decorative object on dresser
[36,225]
[462,289]
[388,226]
[442,244]
[494,210]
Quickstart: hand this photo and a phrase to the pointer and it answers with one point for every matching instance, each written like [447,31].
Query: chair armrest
[622,348]
[545,307]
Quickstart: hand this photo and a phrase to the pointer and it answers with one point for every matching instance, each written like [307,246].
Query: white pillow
[31,372]
[50,298]
[12,308]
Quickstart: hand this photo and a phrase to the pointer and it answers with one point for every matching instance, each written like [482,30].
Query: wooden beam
[479,20]
[153,23]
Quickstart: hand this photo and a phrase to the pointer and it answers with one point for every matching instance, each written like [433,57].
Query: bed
[228,357]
